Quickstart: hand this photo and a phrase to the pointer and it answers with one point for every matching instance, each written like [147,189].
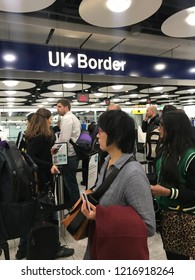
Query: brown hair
[38,124]
[64,102]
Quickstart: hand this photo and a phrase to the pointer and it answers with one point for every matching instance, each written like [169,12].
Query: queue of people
[131,192]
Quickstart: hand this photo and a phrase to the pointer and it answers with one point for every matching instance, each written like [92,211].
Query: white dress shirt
[70,128]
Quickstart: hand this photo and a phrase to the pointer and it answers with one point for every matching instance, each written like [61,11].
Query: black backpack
[17,191]
[83,144]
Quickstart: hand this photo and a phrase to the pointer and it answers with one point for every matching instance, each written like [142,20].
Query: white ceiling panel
[28,33]
[101,42]
[68,38]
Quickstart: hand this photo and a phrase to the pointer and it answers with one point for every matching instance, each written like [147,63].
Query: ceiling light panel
[177,25]
[24,6]
[97,13]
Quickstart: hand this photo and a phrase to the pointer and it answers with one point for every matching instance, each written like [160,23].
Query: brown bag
[75,222]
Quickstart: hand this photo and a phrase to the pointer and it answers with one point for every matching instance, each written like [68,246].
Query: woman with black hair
[175,189]
[116,136]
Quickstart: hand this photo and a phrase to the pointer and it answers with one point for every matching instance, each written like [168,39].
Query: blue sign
[58,59]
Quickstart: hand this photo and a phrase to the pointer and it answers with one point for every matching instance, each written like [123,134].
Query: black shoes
[20,254]
[64,252]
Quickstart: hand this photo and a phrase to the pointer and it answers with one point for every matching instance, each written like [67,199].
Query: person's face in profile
[102,139]
[161,130]
[49,121]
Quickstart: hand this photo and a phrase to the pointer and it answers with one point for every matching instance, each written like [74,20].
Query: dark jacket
[151,125]
[39,148]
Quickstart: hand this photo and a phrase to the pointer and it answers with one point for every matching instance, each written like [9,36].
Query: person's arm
[138,195]
[158,190]
[144,125]
[34,149]
[186,196]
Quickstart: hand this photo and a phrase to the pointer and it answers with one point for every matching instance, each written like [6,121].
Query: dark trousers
[23,244]
[70,179]
[172,256]
[85,163]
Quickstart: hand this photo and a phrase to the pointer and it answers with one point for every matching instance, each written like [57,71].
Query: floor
[154,243]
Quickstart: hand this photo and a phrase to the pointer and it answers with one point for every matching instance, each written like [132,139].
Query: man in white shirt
[70,128]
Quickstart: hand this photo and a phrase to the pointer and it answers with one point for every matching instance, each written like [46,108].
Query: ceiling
[61,25]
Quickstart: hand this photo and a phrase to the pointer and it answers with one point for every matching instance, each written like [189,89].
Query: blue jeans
[70,179]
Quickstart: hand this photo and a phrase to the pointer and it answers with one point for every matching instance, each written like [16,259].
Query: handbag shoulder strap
[95,196]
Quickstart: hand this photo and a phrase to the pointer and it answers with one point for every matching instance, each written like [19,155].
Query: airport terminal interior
[95,53]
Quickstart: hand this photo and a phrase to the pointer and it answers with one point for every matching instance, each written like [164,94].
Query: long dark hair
[175,142]
[38,125]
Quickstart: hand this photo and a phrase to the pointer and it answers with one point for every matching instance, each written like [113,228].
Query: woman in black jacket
[40,139]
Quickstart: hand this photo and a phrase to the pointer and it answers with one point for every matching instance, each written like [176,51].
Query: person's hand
[160,190]
[54,170]
[146,117]
[90,215]
[54,151]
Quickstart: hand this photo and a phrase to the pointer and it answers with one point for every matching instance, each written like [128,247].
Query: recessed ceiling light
[191,17]
[159,66]
[116,99]
[98,94]
[10,83]
[118,6]
[134,74]
[133,95]
[10,92]
[10,98]
[117,87]
[69,85]
[58,93]
[192,70]
[50,99]
[10,104]
[158,88]
[9,57]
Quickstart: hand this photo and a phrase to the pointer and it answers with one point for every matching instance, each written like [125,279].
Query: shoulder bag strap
[95,196]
